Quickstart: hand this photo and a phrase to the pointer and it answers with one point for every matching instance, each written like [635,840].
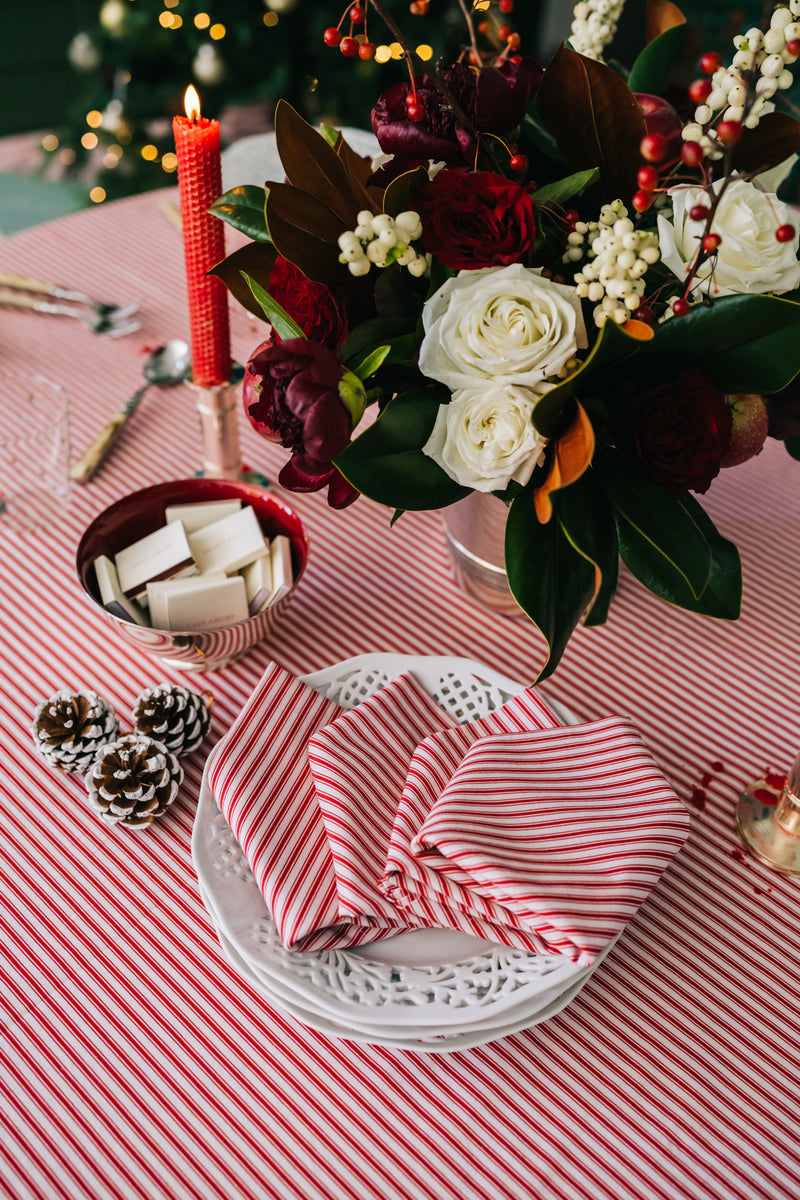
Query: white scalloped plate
[423,989]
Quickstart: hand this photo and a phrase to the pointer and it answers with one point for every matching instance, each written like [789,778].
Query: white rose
[749,259]
[485,437]
[505,324]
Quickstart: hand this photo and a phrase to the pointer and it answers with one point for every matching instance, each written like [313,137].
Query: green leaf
[548,578]
[369,365]
[612,347]
[280,320]
[386,461]
[377,331]
[595,119]
[587,522]
[793,447]
[330,134]
[564,189]
[743,343]
[675,546]
[649,71]
[243,208]
[722,596]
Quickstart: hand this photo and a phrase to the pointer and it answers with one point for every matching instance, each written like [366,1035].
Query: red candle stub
[197,148]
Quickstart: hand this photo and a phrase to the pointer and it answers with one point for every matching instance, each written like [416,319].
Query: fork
[116,324]
[56,292]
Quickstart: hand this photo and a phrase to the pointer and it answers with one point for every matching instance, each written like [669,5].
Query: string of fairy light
[112,120]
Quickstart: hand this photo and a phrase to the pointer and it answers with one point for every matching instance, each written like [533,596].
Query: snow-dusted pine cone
[173,715]
[133,780]
[70,728]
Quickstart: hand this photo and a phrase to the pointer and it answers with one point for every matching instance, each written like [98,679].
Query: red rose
[479,220]
[316,308]
[681,431]
[298,396]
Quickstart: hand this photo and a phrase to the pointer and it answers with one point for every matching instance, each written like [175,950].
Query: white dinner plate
[422,989]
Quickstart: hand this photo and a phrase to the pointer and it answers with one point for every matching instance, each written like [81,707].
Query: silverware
[116,324]
[56,292]
[165,366]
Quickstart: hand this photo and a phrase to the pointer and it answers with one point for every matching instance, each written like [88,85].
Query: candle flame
[191,102]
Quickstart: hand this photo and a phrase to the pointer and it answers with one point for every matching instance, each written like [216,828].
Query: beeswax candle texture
[200,183]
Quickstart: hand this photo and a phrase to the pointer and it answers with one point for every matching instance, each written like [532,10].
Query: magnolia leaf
[313,165]
[386,461]
[793,447]
[397,197]
[378,331]
[661,15]
[549,579]
[564,189]
[369,365]
[742,343]
[675,544]
[572,453]
[722,595]
[305,232]
[650,70]
[776,138]
[278,318]
[595,119]
[243,208]
[359,172]
[614,344]
[255,260]
[587,522]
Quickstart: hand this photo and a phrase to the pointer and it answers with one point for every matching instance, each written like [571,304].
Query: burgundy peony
[316,308]
[494,100]
[478,220]
[300,399]
[681,431]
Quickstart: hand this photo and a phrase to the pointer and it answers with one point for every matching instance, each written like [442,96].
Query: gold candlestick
[769,831]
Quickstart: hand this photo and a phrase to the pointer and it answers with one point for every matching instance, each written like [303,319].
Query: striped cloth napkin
[261,780]
[563,831]
[359,764]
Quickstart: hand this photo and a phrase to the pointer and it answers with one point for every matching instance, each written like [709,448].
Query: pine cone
[133,780]
[70,728]
[173,715]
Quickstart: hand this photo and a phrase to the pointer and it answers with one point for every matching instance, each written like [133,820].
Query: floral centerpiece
[571,286]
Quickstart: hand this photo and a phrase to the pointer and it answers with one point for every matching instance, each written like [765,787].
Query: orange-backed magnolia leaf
[640,330]
[596,121]
[313,165]
[359,171]
[661,16]
[572,454]
[776,137]
[257,259]
[306,232]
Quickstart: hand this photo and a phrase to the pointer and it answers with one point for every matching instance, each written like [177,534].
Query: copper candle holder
[770,831]
[218,409]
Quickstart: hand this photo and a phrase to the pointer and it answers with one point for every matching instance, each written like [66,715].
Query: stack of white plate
[428,990]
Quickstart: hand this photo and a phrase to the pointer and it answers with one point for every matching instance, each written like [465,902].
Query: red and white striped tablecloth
[136,1063]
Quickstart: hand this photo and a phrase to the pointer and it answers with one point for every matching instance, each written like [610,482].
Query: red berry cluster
[351,45]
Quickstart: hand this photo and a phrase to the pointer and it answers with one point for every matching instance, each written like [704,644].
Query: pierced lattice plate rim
[429,982]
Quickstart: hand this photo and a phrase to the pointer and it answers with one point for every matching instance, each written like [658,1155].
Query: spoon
[164,366]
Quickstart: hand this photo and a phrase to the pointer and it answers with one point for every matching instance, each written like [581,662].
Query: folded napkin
[564,830]
[359,764]
[262,782]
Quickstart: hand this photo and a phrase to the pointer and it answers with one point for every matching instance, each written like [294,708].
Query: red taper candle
[200,184]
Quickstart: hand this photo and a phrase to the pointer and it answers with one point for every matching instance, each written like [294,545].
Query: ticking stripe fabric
[662,1079]
[567,830]
[359,764]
